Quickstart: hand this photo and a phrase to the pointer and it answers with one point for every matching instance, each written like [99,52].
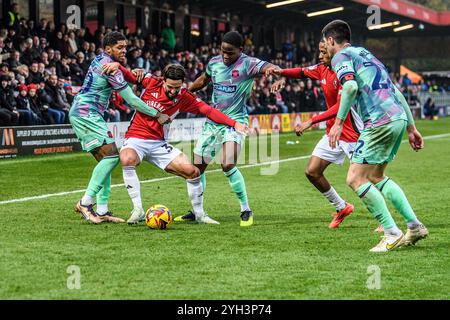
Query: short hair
[174,72]
[111,38]
[339,30]
[234,38]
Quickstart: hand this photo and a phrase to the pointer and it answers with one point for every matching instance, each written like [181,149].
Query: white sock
[245,207]
[133,186]
[413,224]
[394,231]
[334,199]
[87,200]
[195,192]
[102,208]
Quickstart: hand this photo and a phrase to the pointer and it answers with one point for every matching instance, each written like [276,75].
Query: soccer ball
[158,217]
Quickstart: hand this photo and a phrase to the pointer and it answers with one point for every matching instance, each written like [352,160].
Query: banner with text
[37,140]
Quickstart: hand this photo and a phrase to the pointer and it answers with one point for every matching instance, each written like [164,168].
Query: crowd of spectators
[43,66]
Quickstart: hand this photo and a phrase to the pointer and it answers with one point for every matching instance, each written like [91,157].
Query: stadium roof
[424,21]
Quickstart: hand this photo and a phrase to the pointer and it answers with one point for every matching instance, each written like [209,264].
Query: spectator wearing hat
[4,69]
[27,116]
[8,111]
[37,106]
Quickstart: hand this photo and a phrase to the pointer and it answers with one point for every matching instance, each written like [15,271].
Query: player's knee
[312,174]
[192,172]
[376,178]
[128,159]
[353,181]
[228,166]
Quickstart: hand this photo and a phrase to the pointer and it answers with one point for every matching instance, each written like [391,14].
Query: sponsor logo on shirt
[341,69]
[154,95]
[225,88]
[156,105]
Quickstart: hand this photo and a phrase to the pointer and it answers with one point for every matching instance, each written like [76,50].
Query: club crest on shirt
[235,73]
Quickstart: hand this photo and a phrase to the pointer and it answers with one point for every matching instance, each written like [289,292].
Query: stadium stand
[43,65]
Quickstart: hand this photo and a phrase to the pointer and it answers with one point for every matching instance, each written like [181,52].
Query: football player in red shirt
[323,155]
[145,138]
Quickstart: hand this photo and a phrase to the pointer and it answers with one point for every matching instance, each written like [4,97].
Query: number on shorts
[169,148]
[361,144]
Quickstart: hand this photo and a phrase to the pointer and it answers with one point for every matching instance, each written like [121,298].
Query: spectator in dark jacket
[310,96]
[81,60]
[37,106]
[51,89]
[429,109]
[289,97]
[63,68]
[27,115]
[14,60]
[42,29]
[76,72]
[34,75]
[8,112]
[48,103]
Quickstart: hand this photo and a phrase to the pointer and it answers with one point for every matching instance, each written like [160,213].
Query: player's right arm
[200,82]
[343,66]
[119,84]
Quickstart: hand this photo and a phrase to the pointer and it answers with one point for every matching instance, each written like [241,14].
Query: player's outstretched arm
[200,83]
[269,69]
[128,95]
[221,118]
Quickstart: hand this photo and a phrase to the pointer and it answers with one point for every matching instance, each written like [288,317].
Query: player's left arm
[198,106]
[414,136]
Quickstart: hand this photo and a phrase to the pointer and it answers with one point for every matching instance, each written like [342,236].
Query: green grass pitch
[288,254]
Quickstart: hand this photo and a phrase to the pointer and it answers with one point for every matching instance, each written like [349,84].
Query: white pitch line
[43,196]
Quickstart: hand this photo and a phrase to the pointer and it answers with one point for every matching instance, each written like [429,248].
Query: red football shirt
[331,89]
[146,127]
